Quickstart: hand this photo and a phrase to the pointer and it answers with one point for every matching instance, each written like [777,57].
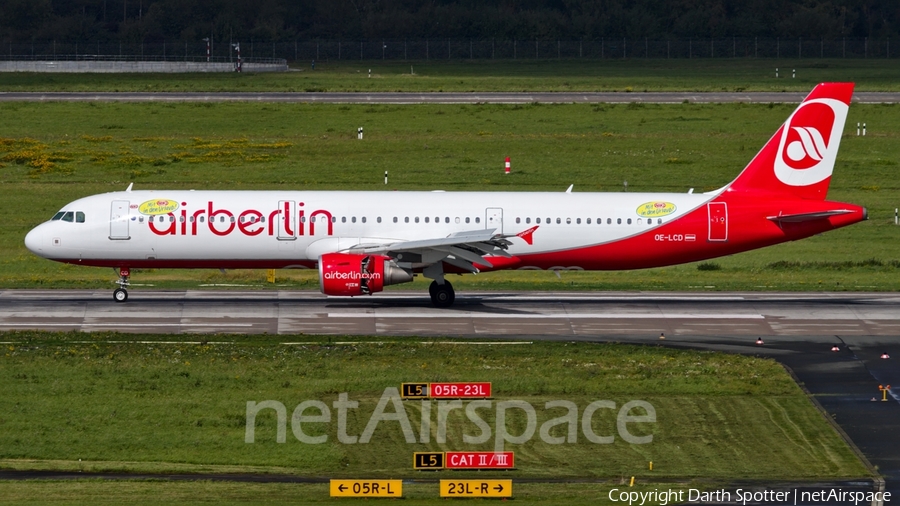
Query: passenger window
[417,219]
[79,217]
[639,221]
[589,221]
[69,216]
[58,216]
[437,219]
[569,221]
[353,219]
[467,219]
[609,221]
[659,221]
[343,219]
[457,220]
[527,220]
[629,221]
[406,220]
[518,220]
[447,219]
[558,221]
[181,219]
[578,221]
[202,219]
[333,219]
[426,219]
[262,219]
[395,219]
[477,219]
[537,220]
[141,219]
[548,221]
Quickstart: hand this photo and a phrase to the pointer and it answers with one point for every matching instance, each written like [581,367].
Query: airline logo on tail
[809,142]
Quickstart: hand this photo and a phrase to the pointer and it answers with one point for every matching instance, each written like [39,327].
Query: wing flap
[462,249]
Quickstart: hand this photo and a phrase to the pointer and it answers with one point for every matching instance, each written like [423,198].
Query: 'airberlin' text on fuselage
[250,222]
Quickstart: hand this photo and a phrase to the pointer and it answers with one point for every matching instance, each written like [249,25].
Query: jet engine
[351,274]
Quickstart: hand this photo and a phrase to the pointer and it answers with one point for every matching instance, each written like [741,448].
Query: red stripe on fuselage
[686,239]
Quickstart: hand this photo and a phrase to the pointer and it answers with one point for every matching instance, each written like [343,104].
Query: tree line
[285,20]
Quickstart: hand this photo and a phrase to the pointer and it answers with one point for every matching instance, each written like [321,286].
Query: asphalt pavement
[440,97]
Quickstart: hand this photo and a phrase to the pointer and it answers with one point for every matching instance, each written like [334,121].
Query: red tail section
[798,160]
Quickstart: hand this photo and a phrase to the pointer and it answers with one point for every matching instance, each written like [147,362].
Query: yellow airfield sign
[476,488]
[366,488]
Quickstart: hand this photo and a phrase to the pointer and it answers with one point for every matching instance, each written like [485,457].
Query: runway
[832,342]
[440,97]
[560,315]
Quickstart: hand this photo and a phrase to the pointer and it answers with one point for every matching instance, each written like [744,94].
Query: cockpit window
[58,216]
[79,217]
[69,216]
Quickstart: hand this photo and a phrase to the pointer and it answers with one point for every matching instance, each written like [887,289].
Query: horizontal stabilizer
[799,218]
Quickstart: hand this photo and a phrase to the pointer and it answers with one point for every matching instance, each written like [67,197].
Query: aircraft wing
[462,249]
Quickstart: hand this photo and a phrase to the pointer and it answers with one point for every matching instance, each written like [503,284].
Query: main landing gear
[121,294]
[442,295]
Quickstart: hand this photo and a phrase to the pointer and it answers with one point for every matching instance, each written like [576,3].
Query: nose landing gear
[121,294]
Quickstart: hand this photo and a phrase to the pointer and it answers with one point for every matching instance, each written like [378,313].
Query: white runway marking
[354,343]
[560,316]
[125,324]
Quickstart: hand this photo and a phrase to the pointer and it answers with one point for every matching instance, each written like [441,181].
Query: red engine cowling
[349,274]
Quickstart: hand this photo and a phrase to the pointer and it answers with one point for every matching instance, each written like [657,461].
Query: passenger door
[118,220]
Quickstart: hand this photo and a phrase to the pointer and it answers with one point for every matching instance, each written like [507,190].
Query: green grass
[697,74]
[113,402]
[52,153]
[163,492]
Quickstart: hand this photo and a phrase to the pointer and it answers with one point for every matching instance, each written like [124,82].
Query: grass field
[163,492]
[108,402]
[497,75]
[52,153]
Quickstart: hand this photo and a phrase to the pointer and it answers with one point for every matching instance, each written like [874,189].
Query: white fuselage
[294,228]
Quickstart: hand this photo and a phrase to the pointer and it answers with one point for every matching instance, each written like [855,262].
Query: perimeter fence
[452,49]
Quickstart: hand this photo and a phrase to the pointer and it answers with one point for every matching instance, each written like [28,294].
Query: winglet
[526,235]
[130,185]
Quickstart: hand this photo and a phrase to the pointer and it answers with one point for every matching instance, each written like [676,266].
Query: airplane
[361,242]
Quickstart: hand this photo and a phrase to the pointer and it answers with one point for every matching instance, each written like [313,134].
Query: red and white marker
[507,165]
[885,356]
[759,341]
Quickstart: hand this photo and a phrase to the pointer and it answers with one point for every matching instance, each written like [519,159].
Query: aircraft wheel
[120,295]
[442,295]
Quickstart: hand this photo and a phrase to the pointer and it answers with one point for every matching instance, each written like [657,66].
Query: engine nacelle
[350,274]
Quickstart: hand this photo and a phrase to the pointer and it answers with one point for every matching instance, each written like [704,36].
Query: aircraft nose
[34,240]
